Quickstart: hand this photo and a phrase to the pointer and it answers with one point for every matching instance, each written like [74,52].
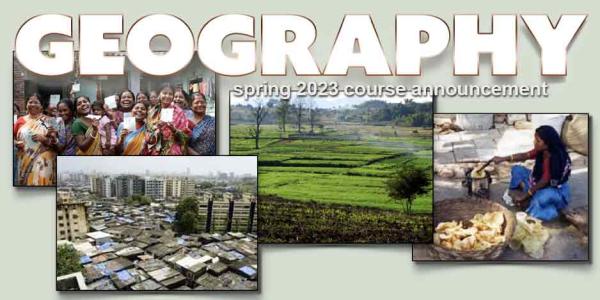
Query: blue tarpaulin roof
[85,259]
[247,270]
[123,275]
[236,254]
[101,267]
[105,246]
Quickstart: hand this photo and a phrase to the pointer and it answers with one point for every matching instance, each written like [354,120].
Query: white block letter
[554,41]
[469,44]
[410,50]
[60,56]
[361,30]
[276,48]
[175,30]
[93,45]
[210,43]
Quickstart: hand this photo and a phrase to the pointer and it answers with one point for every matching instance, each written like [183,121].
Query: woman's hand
[40,138]
[95,124]
[498,159]
[124,132]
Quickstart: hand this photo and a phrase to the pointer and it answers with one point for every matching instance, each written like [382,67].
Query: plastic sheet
[531,235]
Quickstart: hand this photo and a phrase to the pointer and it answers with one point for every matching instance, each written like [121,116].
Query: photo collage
[146,201]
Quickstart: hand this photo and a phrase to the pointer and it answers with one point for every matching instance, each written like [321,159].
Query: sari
[135,141]
[66,138]
[203,138]
[163,141]
[80,128]
[35,160]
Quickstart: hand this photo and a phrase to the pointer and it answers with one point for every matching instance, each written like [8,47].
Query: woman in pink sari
[167,137]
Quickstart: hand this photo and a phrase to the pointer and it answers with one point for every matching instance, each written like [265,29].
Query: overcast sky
[338,101]
[199,165]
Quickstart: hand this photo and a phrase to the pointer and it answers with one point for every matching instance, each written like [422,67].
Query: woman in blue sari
[133,141]
[545,189]
[203,141]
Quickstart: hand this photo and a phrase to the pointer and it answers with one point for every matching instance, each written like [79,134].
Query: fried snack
[478,174]
[485,232]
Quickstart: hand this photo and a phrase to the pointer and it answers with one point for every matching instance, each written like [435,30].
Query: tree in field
[299,104]
[67,260]
[406,184]
[259,112]
[312,113]
[282,110]
[186,217]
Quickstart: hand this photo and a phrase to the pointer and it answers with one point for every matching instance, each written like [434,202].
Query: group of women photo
[79,126]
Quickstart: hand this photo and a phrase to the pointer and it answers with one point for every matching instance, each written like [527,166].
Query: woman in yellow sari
[133,141]
[85,129]
[36,141]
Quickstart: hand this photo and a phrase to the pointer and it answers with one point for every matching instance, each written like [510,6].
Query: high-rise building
[71,217]
[155,188]
[173,187]
[124,186]
[93,184]
[106,188]
[188,187]
[228,212]
[138,185]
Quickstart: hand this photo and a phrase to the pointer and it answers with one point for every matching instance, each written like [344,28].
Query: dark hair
[199,94]
[126,91]
[68,102]
[77,99]
[142,103]
[98,104]
[186,96]
[120,95]
[560,162]
[166,86]
[141,92]
[43,103]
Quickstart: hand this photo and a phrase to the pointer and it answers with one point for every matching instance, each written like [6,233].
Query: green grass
[348,164]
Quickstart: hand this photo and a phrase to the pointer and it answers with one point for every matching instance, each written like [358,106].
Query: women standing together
[162,122]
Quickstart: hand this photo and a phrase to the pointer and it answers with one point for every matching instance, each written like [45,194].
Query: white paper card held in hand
[111,101]
[166,115]
[129,123]
[54,99]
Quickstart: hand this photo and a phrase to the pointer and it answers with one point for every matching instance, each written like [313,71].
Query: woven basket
[462,209]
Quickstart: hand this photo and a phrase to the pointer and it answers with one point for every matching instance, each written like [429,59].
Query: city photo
[339,170]
[130,114]
[142,223]
[510,187]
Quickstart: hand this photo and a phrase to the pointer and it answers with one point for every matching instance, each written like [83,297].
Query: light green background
[340,272]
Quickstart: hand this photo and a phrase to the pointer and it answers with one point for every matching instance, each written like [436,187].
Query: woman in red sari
[167,137]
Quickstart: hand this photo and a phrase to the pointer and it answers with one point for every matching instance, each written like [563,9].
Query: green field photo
[327,168]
